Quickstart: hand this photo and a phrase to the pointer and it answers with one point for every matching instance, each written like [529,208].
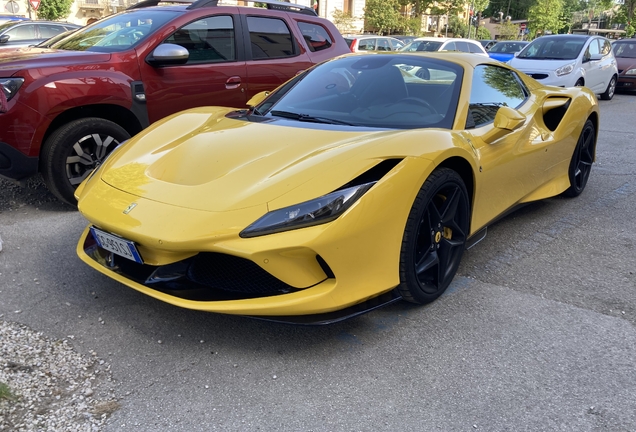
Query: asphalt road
[535,333]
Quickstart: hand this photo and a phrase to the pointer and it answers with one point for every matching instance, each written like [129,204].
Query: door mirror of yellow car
[506,121]
[257,98]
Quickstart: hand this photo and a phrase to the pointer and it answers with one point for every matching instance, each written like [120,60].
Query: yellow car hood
[203,160]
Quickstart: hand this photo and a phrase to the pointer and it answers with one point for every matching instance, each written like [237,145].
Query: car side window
[383,45]
[474,48]
[492,88]
[450,47]
[606,47]
[462,46]
[270,38]
[48,31]
[366,45]
[592,48]
[210,39]
[396,44]
[315,35]
[22,32]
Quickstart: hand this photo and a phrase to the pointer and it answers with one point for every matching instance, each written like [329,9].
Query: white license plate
[116,245]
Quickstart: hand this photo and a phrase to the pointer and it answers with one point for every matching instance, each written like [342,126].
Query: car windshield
[422,46]
[624,49]
[553,48]
[7,25]
[384,91]
[118,32]
[507,47]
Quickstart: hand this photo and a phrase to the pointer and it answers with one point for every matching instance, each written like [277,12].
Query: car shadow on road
[33,195]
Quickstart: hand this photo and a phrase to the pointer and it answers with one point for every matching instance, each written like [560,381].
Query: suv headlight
[631,72]
[314,212]
[10,86]
[564,70]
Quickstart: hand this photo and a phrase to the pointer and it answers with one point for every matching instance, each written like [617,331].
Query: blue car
[5,18]
[505,50]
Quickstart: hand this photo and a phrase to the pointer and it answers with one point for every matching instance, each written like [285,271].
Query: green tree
[381,15]
[567,13]
[418,6]
[54,9]
[545,16]
[628,9]
[457,26]
[343,21]
[483,33]
[478,7]
[508,31]
[448,7]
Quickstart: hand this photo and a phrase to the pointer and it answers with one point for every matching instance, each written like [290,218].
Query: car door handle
[233,82]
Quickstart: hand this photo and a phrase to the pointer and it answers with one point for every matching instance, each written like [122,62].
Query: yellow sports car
[357,183]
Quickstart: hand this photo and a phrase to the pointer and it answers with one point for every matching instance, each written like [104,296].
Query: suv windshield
[553,48]
[624,49]
[118,32]
[395,91]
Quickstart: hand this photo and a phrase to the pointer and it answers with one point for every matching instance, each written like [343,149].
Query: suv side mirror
[506,120]
[4,39]
[168,54]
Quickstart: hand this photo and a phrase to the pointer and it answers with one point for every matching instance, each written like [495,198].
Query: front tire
[581,162]
[74,150]
[434,238]
[611,89]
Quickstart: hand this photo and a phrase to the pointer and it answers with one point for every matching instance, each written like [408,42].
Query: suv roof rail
[271,4]
[149,3]
[196,4]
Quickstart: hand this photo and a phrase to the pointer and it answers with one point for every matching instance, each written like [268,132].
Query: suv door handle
[233,82]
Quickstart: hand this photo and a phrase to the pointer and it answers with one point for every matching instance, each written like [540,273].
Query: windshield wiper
[308,118]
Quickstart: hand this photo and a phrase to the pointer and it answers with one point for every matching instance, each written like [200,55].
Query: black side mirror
[4,39]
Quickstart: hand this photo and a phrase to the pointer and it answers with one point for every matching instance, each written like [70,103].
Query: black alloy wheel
[74,150]
[435,237]
[582,160]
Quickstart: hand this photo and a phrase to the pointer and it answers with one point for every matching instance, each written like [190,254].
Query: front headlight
[631,72]
[564,70]
[314,212]
[10,86]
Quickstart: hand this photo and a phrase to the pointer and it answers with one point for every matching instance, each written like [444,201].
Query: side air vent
[553,111]
[374,174]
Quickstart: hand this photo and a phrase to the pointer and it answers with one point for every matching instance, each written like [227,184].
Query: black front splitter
[335,316]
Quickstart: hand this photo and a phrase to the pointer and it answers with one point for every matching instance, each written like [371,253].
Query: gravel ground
[53,388]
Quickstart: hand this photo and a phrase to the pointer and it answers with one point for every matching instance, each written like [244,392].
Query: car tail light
[354,45]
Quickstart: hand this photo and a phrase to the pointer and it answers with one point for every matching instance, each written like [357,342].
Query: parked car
[487,43]
[504,51]
[405,39]
[352,186]
[373,43]
[625,53]
[5,18]
[16,34]
[571,60]
[107,81]
[55,39]
[445,44]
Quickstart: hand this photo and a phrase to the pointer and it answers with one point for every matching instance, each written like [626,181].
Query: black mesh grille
[539,76]
[230,273]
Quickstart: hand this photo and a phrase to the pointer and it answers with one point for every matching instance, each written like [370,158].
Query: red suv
[63,109]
